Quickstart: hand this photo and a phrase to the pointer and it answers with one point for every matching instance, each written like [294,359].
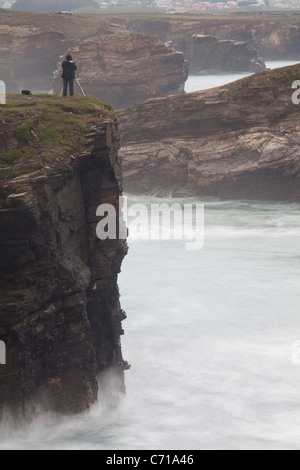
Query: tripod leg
[80,87]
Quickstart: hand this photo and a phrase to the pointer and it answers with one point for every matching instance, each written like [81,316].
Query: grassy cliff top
[81,26]
[73,26]
[41,131]
[278,79]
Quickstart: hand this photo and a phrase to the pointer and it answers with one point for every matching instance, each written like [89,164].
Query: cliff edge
[60,316]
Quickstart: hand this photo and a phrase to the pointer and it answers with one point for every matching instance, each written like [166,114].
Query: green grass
[12,155]
[15,174]
[49,136]
[49,128]
[288,79]
[284,77]
[23,131]
[109,107]
[16,154]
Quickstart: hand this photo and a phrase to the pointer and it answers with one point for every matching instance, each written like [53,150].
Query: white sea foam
[210,338]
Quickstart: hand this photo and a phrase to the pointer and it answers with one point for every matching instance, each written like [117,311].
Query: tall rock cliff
[124,69]
[239,141]
[60,315]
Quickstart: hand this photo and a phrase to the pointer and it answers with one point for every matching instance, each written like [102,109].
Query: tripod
[81,89]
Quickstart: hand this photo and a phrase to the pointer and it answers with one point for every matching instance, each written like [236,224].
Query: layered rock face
[28,56]
[210,53]
[60,315]
[275,38]
[123,69]
[240,141]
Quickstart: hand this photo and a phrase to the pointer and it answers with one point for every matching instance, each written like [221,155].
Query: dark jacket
[69,69]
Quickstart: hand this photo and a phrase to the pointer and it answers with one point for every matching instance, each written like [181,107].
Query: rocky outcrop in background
[28,56]
[60,315]
[31,43]
[124,69]
[206,53]
[274,37]
[240,141]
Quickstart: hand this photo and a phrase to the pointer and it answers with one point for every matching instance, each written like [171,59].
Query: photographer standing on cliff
[68,75]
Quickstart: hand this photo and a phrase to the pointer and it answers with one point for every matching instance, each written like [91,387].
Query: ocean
[206,81]
[213,338]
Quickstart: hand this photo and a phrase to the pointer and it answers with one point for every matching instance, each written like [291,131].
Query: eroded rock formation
[275,38]
[211,53]
[60,315]
[237,141]
[124,69]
